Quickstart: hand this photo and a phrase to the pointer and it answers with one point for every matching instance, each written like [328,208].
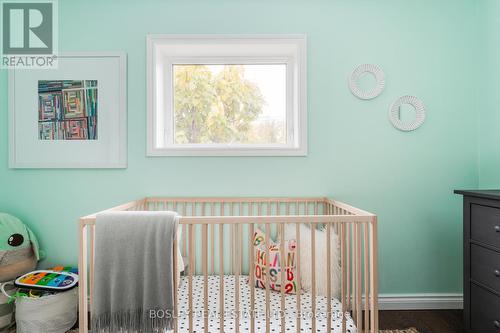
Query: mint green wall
[355,155]
[489,99]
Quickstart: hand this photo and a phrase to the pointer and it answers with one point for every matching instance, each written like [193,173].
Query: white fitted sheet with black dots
[259,308]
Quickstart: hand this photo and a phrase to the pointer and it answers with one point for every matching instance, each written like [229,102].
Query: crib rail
[214,228]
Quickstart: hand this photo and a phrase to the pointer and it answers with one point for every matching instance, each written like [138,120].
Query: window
[227,95]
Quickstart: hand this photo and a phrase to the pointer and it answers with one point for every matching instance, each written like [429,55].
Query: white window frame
[164,51]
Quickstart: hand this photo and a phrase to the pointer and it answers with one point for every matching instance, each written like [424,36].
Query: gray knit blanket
[133,277]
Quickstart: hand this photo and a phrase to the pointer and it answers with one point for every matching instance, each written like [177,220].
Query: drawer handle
[497,228]
[496,323]
[497,273]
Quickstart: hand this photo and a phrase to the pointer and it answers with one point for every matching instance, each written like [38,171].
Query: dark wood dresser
[481,261]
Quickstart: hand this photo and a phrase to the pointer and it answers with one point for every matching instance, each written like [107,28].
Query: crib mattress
[260,307]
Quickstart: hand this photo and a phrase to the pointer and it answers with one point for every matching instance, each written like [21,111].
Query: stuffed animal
[19,254]
[19,250]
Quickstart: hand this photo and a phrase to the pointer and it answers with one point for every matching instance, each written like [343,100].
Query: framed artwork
[70,117]
[365,69]
[395,113]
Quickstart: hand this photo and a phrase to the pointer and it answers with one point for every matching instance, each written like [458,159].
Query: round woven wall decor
[358,73]
[394,113]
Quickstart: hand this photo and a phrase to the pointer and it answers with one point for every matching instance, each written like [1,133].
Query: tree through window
[230,104]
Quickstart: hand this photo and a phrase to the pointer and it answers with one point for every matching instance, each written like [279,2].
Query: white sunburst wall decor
[395,113]
[358,73]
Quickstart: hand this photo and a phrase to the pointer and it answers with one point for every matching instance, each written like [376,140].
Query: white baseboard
[420,301]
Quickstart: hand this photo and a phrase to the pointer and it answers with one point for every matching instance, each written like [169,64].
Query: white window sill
[225,151]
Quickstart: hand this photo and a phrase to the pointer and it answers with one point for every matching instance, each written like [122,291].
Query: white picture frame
[395,110]
[106,148]
[364,69]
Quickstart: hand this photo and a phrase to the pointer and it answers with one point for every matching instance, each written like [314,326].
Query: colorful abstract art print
[68,109]
[47,130]
[76,129]
[49,106]
[74,104]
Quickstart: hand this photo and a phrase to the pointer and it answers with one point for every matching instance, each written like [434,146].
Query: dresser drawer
[485,311]
[485,224]
[485,266]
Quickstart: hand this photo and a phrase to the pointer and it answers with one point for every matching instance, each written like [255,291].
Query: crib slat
[354,274]
[190,269]
[366,278]
[251,273]
[240,213]
[237,283]
[343,261]
[299,284]
[193,213]
[359,308]
[221,275]
[333,212]
[205,275]
[268,281]
[232,240]
[315,211]
[176,282]
[283,280]
[212,231]
[91,263]
[313,276]
[185,232]
[348,266]
[373,276]
[328,278]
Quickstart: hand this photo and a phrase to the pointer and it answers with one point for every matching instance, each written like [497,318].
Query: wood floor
[425,321]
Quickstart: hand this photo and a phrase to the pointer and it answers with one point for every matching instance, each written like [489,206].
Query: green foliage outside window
[220,108]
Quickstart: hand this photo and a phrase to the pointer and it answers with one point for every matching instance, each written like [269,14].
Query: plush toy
[19,254]
[19,250]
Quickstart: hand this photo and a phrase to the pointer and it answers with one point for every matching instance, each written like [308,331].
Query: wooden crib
[225,226]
